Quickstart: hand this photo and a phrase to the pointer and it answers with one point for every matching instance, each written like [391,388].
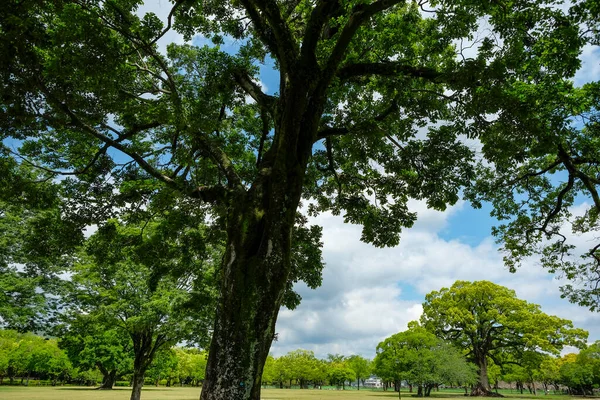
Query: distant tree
[302,365]
[577,376]
[90,344]
[164,366]
[53,362]
[418,356]
[550,372]
[24,358]
[269,376]
[338,371]
[361,367]
[8,344]
[490,321]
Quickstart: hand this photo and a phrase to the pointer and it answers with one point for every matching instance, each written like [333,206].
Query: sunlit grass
[178,393]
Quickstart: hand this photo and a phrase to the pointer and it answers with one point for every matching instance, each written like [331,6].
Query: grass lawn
[176,393]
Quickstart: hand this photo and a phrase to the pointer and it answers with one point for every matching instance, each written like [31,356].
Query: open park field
[152,393]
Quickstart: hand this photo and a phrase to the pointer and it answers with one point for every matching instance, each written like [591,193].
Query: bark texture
[108,379]
[137,383]
[482,388]
[257,262]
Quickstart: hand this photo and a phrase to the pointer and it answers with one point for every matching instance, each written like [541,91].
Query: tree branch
[263,137]
[318,18]
[273,30]
[250,87]
[554,164]
[360,14]
[355,70]
[169,22]
[339,131]
[217,154]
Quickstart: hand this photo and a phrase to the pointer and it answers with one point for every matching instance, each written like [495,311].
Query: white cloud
[369,294]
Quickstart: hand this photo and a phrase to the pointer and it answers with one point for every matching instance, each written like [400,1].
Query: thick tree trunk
[482,388]
[137,383]
[257,261]
[108,379]
[255,271]
[256,267]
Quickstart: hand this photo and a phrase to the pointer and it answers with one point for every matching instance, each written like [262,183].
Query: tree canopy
[420,358]
[376,100]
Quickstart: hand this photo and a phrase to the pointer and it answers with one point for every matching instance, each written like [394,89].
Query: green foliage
[470,313]
[91,344]
[490,321]
[28,355]
[360,366]
[35,241]
[188,365]
[420,358]
[141,278]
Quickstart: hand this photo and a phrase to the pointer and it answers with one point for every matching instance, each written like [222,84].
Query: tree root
[481,392]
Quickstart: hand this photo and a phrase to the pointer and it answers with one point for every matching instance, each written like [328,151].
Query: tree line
[28,359]
[471,335]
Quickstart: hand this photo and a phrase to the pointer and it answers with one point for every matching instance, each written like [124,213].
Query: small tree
[361,367]
[419,357]
[90,344]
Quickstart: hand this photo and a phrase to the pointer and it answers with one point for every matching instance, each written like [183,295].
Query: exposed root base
[480,392]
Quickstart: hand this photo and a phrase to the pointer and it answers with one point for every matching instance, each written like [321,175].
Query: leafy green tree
[338,371]
[270,375]
[121,283]
[53,362]
[361,367]
[418,356]
[301,366]
[8,343]
[591,356]
[490,321]
[91,344]
[89,95]
[577,376]
[164,366]
[550,372]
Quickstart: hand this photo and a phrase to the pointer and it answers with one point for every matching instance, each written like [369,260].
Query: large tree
[130,278]
[373,105]
[491,322]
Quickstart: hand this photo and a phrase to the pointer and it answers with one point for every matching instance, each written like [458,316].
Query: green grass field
[153,393]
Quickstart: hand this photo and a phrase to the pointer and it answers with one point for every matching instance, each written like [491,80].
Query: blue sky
[369,294]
